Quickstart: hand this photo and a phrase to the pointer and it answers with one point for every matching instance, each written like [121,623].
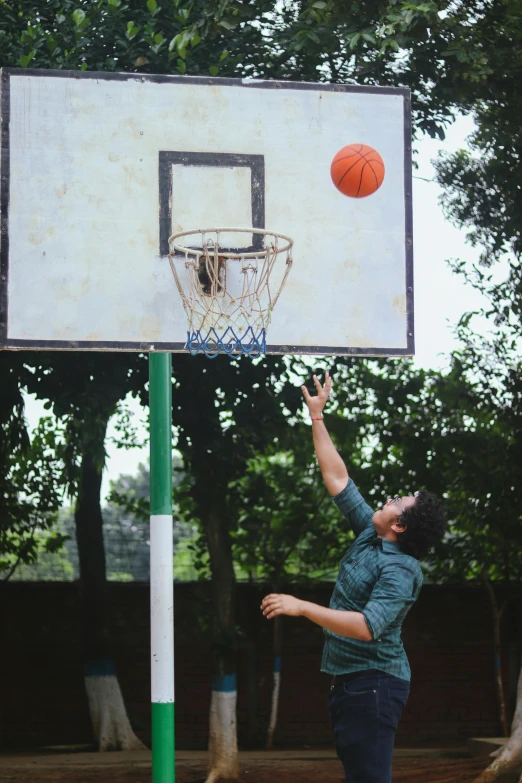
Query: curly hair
[425,522]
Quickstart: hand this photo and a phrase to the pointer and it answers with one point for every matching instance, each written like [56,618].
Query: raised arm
[333,469]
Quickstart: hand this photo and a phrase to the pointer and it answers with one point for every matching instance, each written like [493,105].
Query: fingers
[327,384]
[271,606]
[269,600]
[321,390]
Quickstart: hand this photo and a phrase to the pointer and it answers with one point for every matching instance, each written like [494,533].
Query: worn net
[229,295]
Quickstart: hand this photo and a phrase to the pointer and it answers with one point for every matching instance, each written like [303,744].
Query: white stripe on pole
[161,609]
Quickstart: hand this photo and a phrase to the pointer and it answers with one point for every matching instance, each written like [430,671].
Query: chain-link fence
[127,554]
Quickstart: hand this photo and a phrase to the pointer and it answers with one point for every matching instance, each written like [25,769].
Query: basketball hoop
[229,295]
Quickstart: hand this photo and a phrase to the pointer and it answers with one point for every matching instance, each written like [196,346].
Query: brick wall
[447,636]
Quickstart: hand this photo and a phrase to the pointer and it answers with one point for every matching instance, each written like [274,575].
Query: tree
[114,35]
[447,433]
[30,487]
[482,195]
[426,45]
[484,480]
[84,393]
[288,529]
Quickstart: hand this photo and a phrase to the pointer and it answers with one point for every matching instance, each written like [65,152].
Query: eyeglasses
[397,501]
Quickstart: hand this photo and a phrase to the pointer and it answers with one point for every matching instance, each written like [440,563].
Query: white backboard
[98,170]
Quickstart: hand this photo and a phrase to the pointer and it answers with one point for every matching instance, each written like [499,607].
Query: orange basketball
[357,170]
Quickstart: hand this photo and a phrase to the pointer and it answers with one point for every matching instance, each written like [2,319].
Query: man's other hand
[279,603]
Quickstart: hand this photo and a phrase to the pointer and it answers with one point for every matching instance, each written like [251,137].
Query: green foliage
[126,527]
[127,515]
[84,390]
[225,410]
[441,53]
[48,555]
[114,35]
[481,188]
[441,432]
[481,193]
[288,528]
[30,477]
[126,537]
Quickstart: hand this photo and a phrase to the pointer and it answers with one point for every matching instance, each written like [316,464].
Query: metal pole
[161,568]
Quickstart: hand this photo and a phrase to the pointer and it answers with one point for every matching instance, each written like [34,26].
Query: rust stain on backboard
[399,304]
[36,238]
[150,327]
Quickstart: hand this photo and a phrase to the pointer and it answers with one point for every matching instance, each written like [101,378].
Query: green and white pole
[161,568]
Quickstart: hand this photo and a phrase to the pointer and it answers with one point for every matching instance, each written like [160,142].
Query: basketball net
[229,296]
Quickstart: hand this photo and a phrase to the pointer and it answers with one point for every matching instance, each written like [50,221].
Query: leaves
[227,25]
[78,17]
[132,31]
[25,59]
[288,527]
[31,486]
[111,35]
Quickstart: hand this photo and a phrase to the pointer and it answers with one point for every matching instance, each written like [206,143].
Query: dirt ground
[254,769]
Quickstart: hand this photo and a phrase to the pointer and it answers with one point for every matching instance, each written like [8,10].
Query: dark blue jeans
[364,713]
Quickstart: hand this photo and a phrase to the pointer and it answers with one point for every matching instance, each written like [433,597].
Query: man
[379,580]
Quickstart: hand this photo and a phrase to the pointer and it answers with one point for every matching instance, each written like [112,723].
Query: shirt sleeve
[395,591]
[354,508]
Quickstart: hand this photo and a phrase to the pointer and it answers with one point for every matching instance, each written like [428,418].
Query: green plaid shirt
[379,580]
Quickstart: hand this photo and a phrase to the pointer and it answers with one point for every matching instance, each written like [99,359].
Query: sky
[441,297]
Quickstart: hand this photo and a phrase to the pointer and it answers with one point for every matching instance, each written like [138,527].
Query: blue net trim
[228,343]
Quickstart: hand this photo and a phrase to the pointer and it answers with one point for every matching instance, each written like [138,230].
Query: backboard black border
[256,164]
[14,344]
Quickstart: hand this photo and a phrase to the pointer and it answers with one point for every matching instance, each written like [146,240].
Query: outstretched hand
[279,603]
[317,403]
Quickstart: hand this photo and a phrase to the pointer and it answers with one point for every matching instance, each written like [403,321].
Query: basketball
[357,170]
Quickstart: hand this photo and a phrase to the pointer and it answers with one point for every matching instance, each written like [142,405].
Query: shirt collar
[385,545]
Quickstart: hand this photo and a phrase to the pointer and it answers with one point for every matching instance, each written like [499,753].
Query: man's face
[387,520]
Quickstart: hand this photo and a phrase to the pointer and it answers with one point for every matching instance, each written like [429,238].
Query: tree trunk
[110,723]
[499,683]
[510,756]
[252,663]
[223,755]
[223,763]
[276,676]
